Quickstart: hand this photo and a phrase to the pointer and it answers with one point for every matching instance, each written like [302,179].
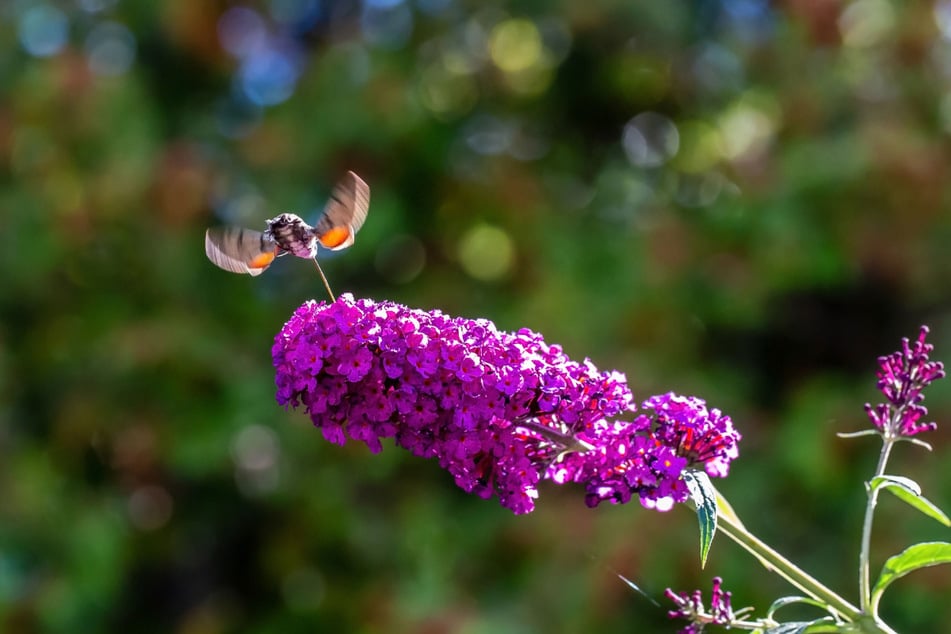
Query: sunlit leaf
[908,491]
[911,559]
[804,627]
[704,495]
[786,601]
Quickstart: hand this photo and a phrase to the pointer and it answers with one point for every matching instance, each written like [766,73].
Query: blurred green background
[738,199]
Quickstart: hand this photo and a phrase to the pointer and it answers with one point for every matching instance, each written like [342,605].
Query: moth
[241,250]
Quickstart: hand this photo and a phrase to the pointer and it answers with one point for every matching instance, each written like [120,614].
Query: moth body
[292,235]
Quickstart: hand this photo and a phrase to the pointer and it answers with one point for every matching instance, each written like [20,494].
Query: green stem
[567,442]
[788,570]
[730,525]
[864,583]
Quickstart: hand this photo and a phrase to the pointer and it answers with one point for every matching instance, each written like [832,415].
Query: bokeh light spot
[388,25]
[487,253]
[243,207]
[698,190]
[110,49]
[242,31]
[400,259]
[43,30]
[488,135]
[701,147]
[650,139]
[942,17]
[624,197]
[747,126]
[150,507]
[515,45]
[445,93]
[255,448]
[256,452]
[866,22]
[746,9]
[534,80]
[382,4]
[269,78]
[717,69]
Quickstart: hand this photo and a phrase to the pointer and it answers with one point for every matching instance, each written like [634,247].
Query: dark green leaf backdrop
[738,199]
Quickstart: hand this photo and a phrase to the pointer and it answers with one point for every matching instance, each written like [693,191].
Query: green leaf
[804,627]
[896,481]
[784,601]
[704,495]
[911,559]
[908,491]
[826,625]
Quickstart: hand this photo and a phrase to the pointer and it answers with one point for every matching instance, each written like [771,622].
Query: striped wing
[344,214]
[240,250]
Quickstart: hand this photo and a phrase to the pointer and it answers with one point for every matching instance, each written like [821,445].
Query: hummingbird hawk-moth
[241,250]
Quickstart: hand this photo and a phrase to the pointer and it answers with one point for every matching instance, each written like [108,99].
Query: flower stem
[564,441]
[731,526]
[864,583]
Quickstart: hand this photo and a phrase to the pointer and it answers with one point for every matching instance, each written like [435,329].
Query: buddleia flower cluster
[902,376]
[499,411]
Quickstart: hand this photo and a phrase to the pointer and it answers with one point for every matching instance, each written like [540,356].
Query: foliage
[737,199]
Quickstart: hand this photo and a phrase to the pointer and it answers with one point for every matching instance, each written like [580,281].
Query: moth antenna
[324,278]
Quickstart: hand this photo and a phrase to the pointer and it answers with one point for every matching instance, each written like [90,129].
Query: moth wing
[240,250]
[344,214]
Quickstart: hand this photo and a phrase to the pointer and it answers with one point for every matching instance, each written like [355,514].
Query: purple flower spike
[499,411]
[650,455]
[690,607]
[706,438]
[902,376]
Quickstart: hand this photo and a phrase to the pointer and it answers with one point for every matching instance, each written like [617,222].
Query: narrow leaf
[911,559]
[704,495]
[908,491]
[784,601]
[804,627]
[898,481]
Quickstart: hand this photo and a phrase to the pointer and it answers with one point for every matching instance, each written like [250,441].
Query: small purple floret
[690,606]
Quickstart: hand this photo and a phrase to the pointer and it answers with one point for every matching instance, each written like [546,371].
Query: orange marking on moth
[335,237]
[262,261]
